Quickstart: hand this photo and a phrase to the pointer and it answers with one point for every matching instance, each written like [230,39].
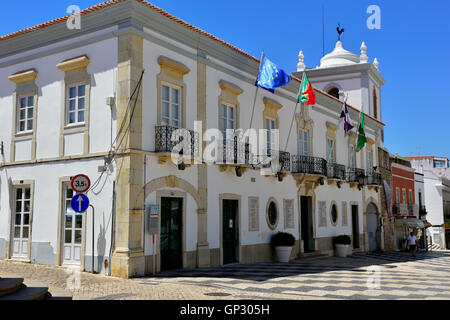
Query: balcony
[373,179]
[236,152]
[400,209]
[166,140]
[336,171]
[284,160]
[356,175]
[308,165]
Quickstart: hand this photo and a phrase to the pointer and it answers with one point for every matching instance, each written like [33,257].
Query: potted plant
[342,243]
[283,243]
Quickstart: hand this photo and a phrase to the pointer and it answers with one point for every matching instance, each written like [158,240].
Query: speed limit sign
[80,183]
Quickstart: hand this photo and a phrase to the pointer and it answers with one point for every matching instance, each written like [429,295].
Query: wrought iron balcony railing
[373,178]
[236,152]
[356,175]
[284,161]
[310,165]
[336,171]
[166,139]
[400,209]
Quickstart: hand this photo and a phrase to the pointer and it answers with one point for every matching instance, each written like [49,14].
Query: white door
[21,219]
[72,230]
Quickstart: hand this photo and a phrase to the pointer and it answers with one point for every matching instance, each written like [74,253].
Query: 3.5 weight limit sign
[80,183]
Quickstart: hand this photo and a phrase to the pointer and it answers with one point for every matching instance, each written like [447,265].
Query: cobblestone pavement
[356,277]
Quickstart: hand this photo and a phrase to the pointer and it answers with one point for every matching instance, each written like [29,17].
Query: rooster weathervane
[339,31]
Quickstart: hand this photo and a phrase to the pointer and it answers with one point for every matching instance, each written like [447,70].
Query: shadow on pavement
[271,270]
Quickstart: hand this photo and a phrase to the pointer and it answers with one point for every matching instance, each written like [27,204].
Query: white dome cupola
[339,57]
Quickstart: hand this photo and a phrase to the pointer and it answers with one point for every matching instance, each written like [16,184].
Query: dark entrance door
[230,231]
[307,224]
[355,226]
[171,227]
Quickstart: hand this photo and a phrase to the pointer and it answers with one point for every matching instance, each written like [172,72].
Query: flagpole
[295,111]
[256,92]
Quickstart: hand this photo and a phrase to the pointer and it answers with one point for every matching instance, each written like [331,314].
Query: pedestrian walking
[412,242]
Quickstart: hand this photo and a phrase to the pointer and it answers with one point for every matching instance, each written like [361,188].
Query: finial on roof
[363,58]
[300,65]
[376,63]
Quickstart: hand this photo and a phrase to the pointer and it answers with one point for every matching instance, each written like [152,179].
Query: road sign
[80,183]
[80,203]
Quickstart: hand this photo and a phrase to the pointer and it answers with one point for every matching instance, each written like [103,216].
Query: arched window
[333,91]
[375,104]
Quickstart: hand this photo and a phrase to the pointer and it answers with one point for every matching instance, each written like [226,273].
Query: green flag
[361,135]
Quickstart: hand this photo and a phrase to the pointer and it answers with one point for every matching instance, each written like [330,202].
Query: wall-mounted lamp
[376,189]
[321,181]
[181,165]
[339,184]
[238,171]
[280,176]
[2,152]
[359,187]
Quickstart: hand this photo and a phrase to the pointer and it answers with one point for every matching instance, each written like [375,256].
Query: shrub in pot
[283,243]
[342,244]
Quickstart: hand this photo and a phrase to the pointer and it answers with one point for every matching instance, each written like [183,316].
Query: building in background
[436,172]
[405,211]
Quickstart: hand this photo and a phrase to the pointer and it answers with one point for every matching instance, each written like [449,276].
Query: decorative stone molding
[271,111]
[230,87]
[331,130]
[74,64]
[23,76]
[173,66]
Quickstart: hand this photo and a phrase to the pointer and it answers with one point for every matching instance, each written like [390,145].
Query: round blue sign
[80,203]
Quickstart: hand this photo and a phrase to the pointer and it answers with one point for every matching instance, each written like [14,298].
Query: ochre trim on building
[23,76]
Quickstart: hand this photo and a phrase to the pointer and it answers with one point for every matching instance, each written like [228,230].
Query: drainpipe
[113,220]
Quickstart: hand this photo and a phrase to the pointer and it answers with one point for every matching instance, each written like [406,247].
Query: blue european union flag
[270,76]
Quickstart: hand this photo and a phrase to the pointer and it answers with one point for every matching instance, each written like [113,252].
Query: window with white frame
[270,125]
[227,118]
[303,143]
[352,156]
[76,104]
[25,114]
[330,153]
[403,195]
[170,105]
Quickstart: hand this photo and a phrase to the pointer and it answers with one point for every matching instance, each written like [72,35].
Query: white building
[436,171]
[63,100]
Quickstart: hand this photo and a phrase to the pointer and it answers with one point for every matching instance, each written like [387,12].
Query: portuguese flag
[307,95]
[361,135]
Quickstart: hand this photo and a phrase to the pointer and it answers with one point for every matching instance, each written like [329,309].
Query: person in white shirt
[412,242]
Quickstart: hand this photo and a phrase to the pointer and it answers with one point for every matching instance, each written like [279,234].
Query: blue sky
[412,46]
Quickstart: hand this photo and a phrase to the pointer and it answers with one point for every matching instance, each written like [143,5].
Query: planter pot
[342,250]
[283,253]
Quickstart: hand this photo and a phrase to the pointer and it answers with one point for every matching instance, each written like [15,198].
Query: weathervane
[339,31]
